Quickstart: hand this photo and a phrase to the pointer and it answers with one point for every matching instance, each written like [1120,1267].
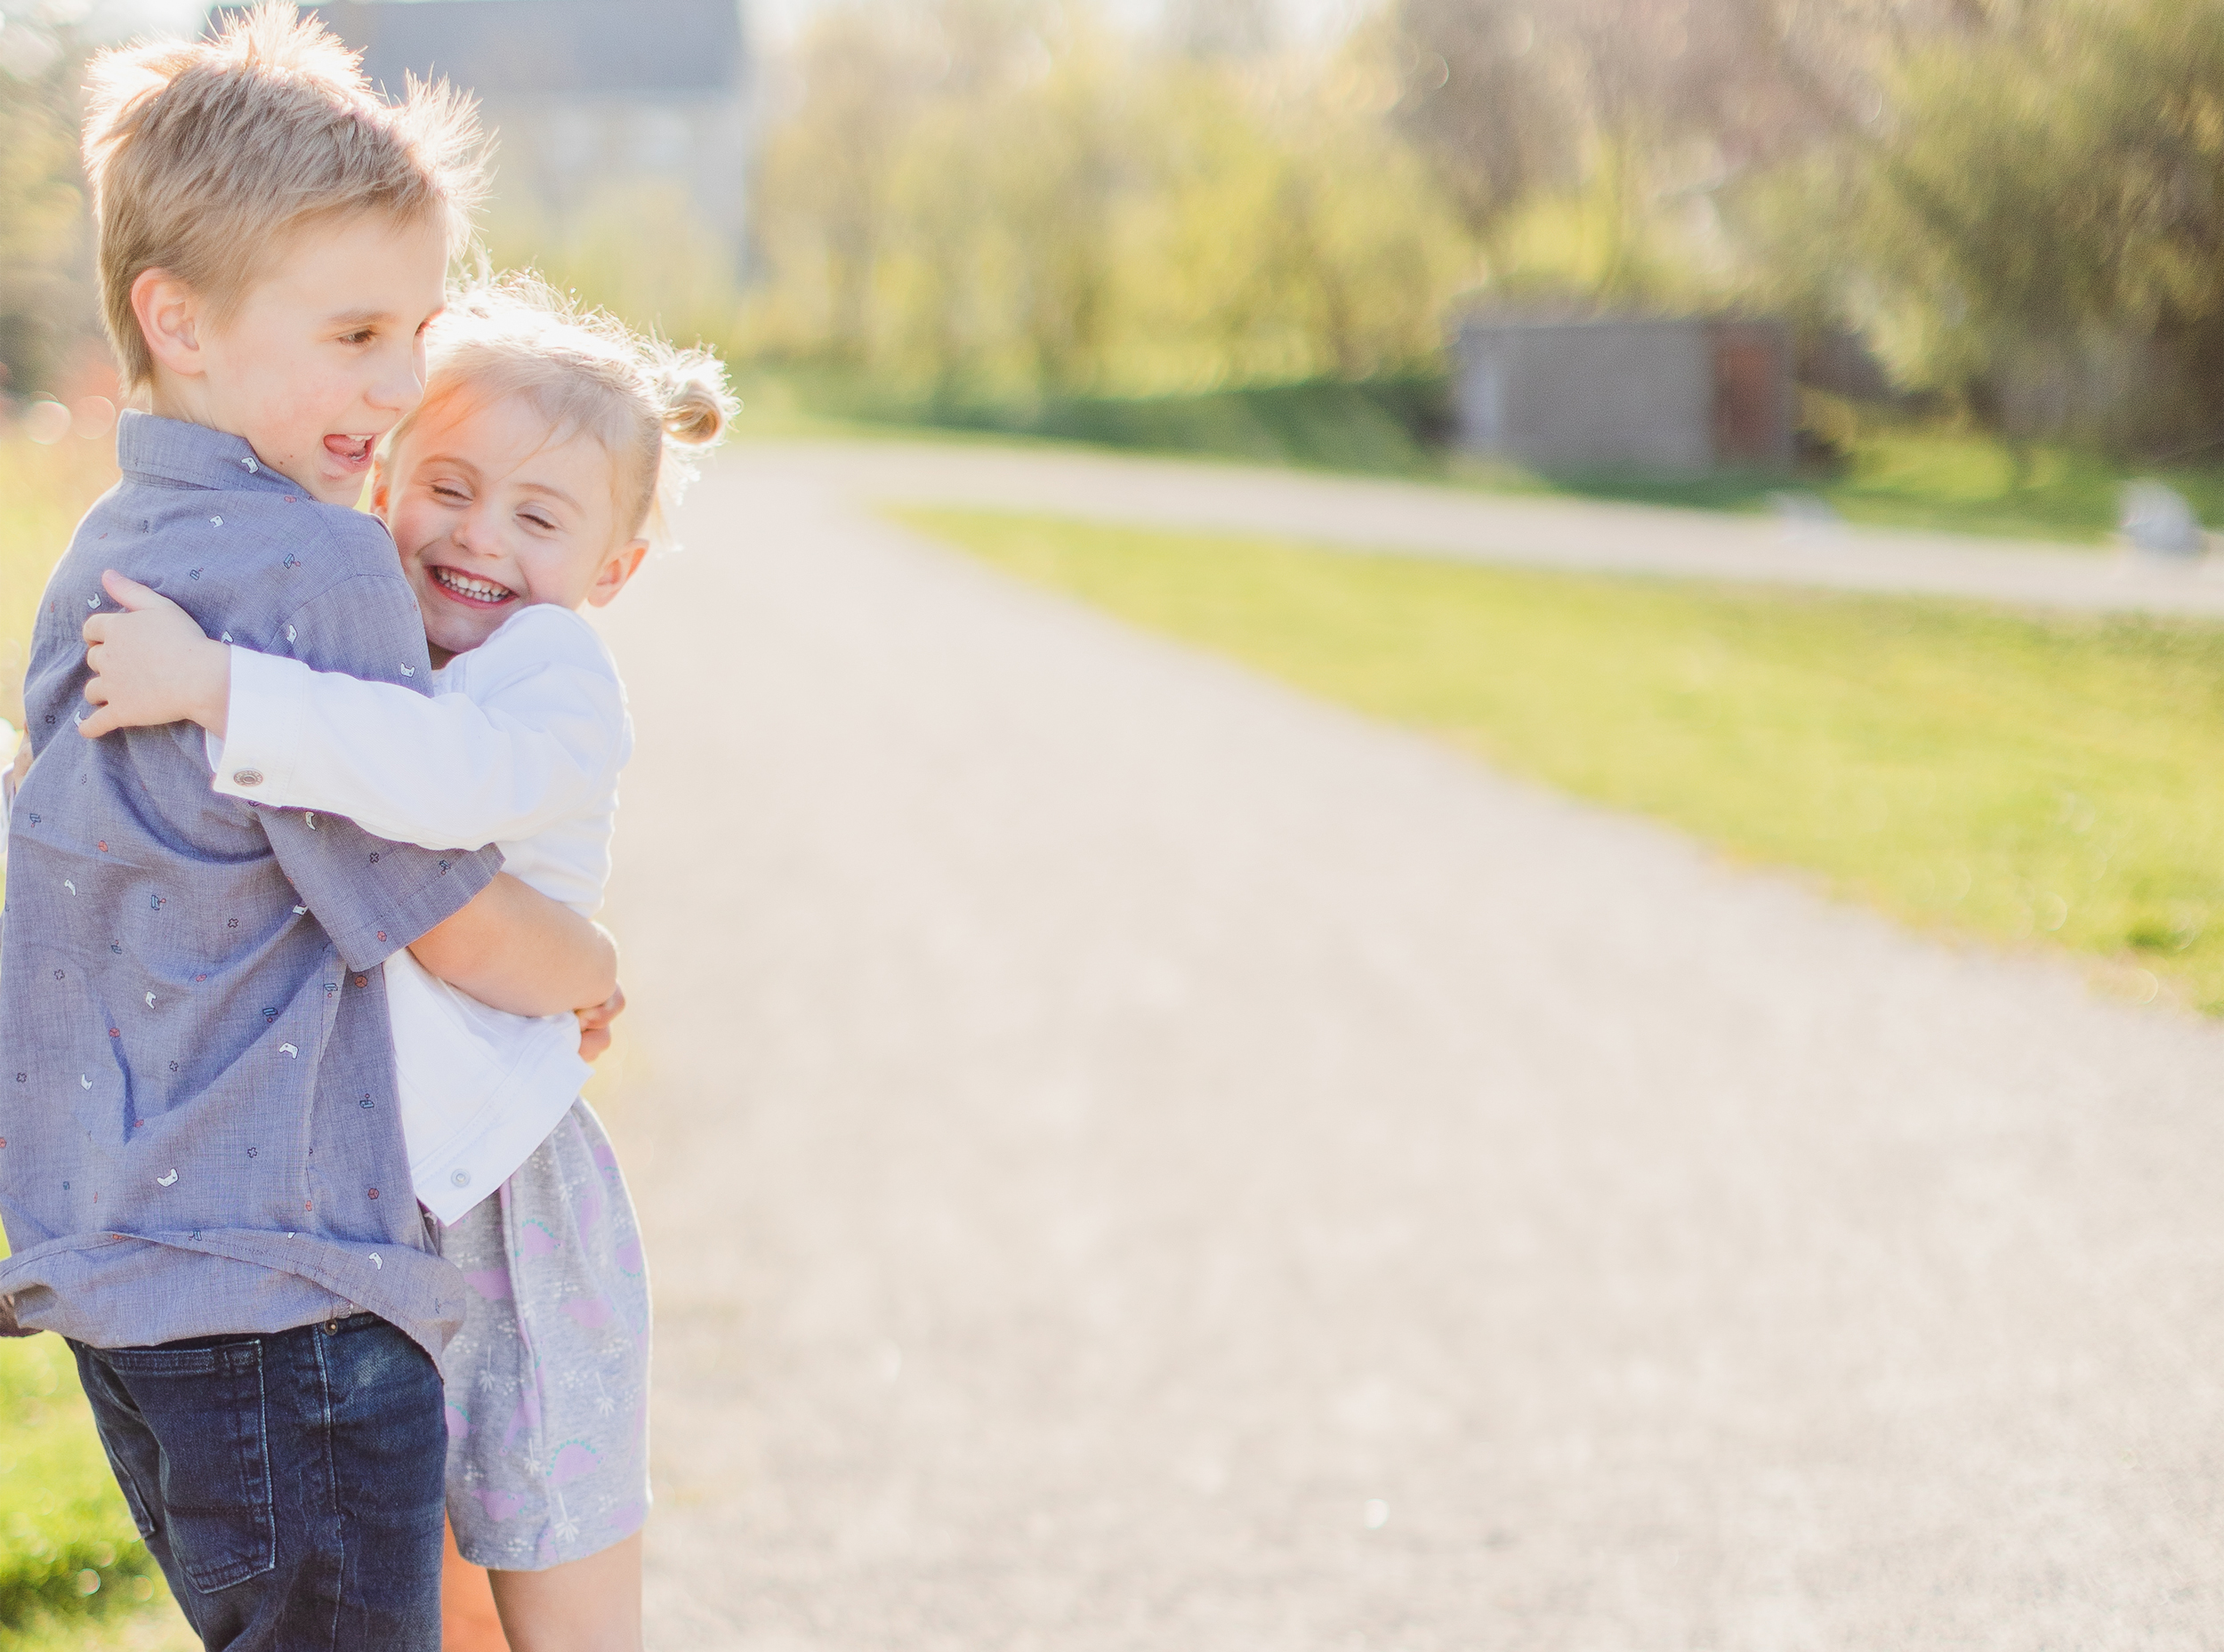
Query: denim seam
[263,1422]
[330,1498]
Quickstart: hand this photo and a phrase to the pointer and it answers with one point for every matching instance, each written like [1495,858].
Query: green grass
[1932,477]
[1943,479]
[2024,779]
[73,1572]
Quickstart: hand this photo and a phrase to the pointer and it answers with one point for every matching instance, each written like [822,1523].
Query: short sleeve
[371,897]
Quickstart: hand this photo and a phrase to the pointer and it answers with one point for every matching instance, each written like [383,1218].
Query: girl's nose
[472,533]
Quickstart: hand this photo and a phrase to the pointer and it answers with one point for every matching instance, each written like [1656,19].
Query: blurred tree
[1280,240]
[47,317]
[1054,207]
[1588,142]
[2019,202]
[822,192]
[998,270]
[1481,99]
[2039,219]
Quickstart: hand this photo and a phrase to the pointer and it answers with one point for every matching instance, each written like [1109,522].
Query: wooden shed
[1673,397]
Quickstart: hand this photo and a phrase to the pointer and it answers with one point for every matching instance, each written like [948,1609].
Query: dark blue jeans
[289,1484]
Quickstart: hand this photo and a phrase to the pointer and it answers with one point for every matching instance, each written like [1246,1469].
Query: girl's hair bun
[697,405]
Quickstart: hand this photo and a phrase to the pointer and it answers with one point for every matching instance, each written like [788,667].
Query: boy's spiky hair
[206,156]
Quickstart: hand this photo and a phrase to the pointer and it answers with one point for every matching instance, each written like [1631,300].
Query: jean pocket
[205,1407]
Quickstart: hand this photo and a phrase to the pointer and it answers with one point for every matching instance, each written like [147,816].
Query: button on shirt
[199,1131]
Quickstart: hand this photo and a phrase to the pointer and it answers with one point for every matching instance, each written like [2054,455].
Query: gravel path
[1137,1159]
[1370,513]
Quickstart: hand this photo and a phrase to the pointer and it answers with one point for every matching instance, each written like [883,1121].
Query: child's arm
[510,946]
[513,948]
[402,765]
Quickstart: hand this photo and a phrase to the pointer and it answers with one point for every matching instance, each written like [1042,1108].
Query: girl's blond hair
[652,406]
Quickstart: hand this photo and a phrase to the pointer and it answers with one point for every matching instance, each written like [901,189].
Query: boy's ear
[169,315]
[623,563]
[380,483]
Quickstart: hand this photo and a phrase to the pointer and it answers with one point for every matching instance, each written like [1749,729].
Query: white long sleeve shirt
[520,746]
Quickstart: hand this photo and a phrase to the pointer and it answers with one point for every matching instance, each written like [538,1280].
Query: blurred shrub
[2032,221]
[1396,424]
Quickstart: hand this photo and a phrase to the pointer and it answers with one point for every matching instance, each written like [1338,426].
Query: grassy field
[1892,474]
[2029,780]
[73,1572]
[1943,479]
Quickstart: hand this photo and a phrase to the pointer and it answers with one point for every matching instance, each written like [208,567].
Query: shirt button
[247,776]
[462,1179]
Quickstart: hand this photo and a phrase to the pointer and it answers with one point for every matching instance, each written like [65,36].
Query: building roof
[510,50]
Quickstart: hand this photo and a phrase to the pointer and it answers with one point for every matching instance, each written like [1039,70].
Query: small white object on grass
[1806,517]
[2157,519]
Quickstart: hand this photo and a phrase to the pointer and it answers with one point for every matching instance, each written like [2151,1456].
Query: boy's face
[491,513]
[325,354]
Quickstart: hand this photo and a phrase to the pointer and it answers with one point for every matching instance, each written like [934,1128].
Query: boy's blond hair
[652,406]
[206,155]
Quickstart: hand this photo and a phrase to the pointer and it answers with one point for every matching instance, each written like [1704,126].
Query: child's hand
[153,666]
[594,1025]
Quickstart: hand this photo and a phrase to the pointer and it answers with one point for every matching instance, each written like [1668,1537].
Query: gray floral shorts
[548,1380]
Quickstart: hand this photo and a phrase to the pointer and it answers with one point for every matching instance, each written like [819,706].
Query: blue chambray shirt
[199,1131]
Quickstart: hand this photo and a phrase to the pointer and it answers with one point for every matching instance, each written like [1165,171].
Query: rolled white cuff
[266,716]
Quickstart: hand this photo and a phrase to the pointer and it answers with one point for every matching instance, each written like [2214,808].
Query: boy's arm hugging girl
[291,1142]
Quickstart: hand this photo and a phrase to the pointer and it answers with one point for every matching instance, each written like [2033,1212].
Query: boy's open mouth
[354,452]
[466,588]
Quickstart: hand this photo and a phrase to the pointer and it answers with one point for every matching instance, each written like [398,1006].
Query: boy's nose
[399,388]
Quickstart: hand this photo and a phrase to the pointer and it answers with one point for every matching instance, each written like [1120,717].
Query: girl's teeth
[484,590]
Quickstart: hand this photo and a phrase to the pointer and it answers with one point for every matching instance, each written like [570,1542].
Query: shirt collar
[170,450]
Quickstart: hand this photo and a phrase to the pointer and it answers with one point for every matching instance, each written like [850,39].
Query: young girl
[528,483]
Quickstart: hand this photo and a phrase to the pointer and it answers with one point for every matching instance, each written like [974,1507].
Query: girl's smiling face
[492,512]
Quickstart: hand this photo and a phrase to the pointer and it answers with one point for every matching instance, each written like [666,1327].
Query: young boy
[202,1173]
